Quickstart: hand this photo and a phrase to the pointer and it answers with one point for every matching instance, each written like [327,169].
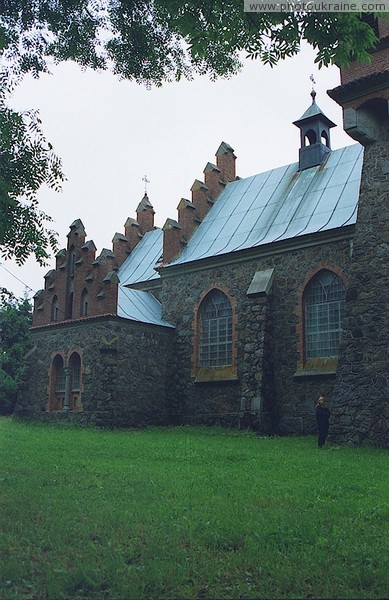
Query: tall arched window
[70,306]
[57,385]
[72,261]
[84,303]
[55,309]
[324,300]
[215,328]
[75,374]
[59,375]
[75,369]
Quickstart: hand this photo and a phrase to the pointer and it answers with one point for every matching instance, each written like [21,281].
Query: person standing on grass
[323,421]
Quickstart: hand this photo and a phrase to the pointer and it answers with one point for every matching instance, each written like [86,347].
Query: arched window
[72,261]
[55,309]
[84,303]
[215,328]
[70,306]
[59,375]
[70,282]
[325,139]
[57,384]
[75,375]
[310,137]
[75,369]
[324,300]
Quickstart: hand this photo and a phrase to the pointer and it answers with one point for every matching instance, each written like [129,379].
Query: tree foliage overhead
[15,341]
[148,41]
[156,40]
[27,161]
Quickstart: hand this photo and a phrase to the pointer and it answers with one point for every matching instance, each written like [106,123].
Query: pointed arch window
[70,306]
[57,384]
[76,383]
[75,370]
[59,375]
[324,300]
[215,328]
[55,309]
[310,137]
[72,261]
[325,139]
[84,303]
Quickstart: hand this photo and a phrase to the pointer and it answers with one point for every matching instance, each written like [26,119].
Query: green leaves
[27,161]
[150,42]
[15,341]
[161,40]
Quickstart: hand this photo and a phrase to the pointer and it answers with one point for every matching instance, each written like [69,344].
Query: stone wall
[125,369]
[361,408]
[270,389]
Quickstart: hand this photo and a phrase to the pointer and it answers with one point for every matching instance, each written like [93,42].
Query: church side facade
[257,299]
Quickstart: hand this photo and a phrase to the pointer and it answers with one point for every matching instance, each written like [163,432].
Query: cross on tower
[311,77]
[146,182]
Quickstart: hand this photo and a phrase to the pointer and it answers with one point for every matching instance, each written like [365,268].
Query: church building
[264,293]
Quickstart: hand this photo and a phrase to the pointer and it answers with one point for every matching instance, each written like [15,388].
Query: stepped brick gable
[259,295]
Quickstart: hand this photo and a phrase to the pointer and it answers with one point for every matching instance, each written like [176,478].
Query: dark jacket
[322,416]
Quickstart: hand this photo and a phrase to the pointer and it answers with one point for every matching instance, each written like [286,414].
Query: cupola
[315,136]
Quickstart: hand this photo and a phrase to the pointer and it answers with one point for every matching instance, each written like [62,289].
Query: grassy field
[189,513]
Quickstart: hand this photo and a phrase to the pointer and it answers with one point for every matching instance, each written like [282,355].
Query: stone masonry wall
[125,367]
[361,395]
[266,341]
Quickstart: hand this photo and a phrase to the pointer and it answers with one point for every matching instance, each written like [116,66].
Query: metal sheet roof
[280,204]
[137,305]
[139,266]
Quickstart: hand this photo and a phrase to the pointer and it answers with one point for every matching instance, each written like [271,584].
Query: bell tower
[314,136]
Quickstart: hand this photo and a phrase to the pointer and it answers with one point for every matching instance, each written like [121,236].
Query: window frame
[319,365]
[323,315]
[201,371]
[55,309]
[84,308]
[215,326]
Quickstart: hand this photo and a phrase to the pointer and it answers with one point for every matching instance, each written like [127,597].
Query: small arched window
[215,328]
[75,370]
[324,300]
[57,384]
[84,303]
[72,261]
[325,139]
[310,136]
[75,382]
[70,306]
[59,375]
[55,309]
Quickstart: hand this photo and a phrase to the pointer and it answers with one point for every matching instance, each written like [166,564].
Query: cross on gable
[146,182]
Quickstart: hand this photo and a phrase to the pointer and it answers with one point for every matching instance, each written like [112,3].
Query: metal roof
[314,112]
[139,266]
[137,305]
[280,204]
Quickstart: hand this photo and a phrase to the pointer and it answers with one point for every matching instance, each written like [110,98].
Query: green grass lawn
[189,513]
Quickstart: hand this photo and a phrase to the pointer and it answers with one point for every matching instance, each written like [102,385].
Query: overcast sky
[111,133]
